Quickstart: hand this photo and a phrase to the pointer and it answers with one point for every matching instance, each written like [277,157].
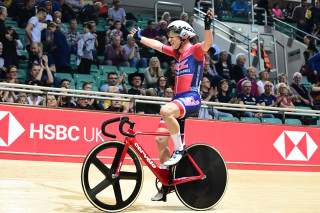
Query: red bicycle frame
[161,174]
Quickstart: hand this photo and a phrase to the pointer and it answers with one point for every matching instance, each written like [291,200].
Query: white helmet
[182,28]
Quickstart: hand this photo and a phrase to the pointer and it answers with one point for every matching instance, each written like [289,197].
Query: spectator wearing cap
[135,80]
[132,50]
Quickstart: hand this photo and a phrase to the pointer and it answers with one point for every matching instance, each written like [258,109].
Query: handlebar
[122,120]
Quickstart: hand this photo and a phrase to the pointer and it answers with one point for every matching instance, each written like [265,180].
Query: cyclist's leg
[163,146]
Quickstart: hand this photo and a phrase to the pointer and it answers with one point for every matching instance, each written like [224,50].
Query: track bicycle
[199,179]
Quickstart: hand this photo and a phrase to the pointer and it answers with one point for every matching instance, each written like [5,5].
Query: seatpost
[181,124]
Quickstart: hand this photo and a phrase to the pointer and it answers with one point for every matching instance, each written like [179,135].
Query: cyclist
[189,70]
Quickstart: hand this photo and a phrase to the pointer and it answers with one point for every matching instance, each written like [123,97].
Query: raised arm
[152,43]
[208,37]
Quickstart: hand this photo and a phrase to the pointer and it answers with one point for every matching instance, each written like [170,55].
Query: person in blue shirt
[240,8]
[314,64]
[267,99]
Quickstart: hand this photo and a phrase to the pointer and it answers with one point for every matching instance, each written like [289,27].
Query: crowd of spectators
[50,45]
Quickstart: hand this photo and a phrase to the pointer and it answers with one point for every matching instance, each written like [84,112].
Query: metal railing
[153,100]
[167,4]
[253,9]
[291,29]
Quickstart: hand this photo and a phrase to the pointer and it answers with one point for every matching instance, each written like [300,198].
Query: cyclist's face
[174,41]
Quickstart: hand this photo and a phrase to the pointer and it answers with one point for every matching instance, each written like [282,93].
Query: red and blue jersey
[189,68]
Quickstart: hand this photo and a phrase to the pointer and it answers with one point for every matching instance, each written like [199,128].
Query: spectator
[33,30]
[239,69]
[19,46]
[224,93]
[50,102]
[287,12]
[248,99]
[22,99]
[115,106]
[164,19]
[115,54]
[9,43]
[112,80]
[135,80]
[314,66]
[168,93]
[34,98]
[93,31]
[304,97]
[224,68]
[36,56]
[66,101]
[208,93]
[170,75]
[72,36]
[66,11]
[285,101]
[36,73]
[315,92]
[150,31]
[12,75]
[83,103]
[65,83]
[313,17]
[264,77]
[60,49]
[54,3]
[184,17]
[267,99]
[240,8]
[23,15]
[250,76]
[93,103]
[263,54]
[162,31]
[89,12]
[161,86]
[132,50]
[309,42]
[85,50]
[298,16]
[152,109]
[117,13]
[152,73]
[116,31]
[283,79]
[48,7]
[277,12]
[4,64]
[220,8]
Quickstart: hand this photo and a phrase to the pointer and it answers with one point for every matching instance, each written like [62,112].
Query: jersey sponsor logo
[182,65]
[294,145]
[11,129]
[190,101]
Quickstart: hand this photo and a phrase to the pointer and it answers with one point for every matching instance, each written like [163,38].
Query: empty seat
[127,70]
[250,119]
[271,120]
[229,118]
[293,121]
[105,69]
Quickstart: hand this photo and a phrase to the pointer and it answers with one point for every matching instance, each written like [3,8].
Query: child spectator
[85,49]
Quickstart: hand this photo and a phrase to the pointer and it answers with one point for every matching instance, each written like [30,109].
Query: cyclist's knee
[169,111]
[162,140]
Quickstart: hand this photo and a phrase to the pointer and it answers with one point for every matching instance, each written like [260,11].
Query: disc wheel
[206,193]
[105,191]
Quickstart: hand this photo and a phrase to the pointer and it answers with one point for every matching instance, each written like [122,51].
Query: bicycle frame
[161,174]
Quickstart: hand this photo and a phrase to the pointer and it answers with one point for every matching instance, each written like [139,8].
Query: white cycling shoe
[175,158]
[160,196]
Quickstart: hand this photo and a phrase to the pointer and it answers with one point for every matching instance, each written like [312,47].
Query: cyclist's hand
[208,19]
[136,34]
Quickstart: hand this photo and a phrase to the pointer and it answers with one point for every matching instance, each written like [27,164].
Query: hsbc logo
[11,129]
[294,145]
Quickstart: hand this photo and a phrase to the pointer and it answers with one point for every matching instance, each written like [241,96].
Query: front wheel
[101,187]
[206,193]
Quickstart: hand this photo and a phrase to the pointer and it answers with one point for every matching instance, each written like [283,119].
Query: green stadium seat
[24,52]
[95,71]
[64,75]
[141,70]
[293,121]
[271,120]
[21,31]
[11,23]
[229,118]
[249,119]
[127,70]
[100,59]
[233,94]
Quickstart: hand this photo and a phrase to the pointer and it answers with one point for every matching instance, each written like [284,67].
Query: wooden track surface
[32,186]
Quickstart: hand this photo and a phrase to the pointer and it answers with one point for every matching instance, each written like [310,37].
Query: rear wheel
[206,193]
[102,189]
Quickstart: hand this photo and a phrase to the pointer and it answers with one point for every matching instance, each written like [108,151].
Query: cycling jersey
[189,67]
